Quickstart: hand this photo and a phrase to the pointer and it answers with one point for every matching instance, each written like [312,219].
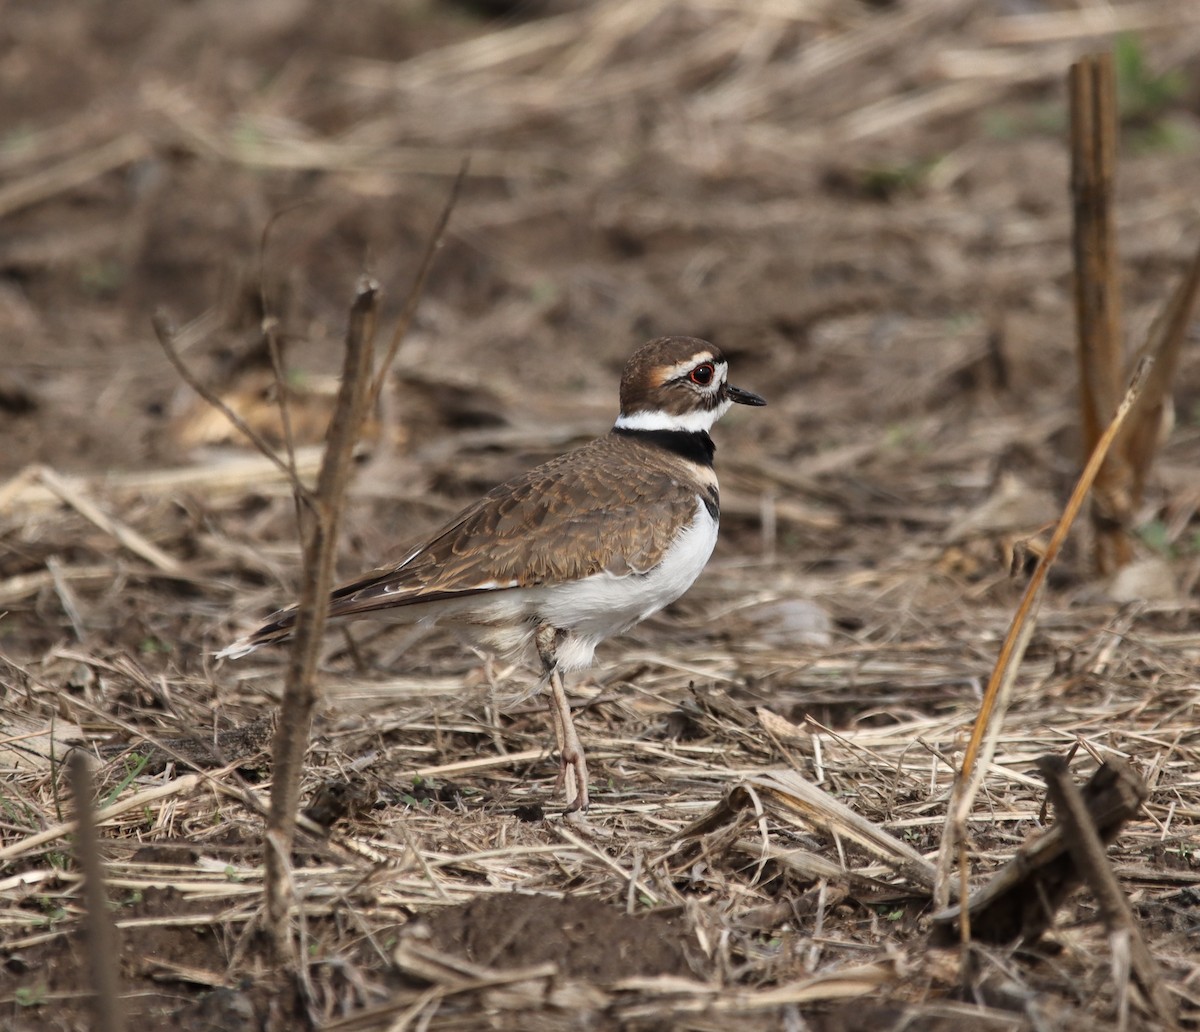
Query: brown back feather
[575,516]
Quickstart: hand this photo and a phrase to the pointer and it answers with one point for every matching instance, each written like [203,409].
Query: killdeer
[578,549]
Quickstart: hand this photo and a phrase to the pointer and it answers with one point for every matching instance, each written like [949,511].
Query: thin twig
[66,596]
[995,697]
[418,286]
[180,786]
[166,337]
[270,328]
[1164,344]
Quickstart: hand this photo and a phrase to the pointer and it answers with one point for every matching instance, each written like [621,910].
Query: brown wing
[572,517]
[575,516]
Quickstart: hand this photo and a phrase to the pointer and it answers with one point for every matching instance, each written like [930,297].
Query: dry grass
[676,722]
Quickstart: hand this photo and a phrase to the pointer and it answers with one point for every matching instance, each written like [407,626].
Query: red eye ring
[702,374]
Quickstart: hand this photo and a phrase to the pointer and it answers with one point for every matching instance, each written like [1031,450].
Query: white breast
[605,604]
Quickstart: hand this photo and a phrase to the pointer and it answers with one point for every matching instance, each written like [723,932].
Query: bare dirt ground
[866,207]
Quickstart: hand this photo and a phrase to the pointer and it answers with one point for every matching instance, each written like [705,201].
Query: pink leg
[574,765]
[573,760]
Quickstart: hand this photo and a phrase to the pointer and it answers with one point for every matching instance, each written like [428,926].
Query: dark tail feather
[277,629]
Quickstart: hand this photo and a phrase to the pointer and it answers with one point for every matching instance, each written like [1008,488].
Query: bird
[577,549]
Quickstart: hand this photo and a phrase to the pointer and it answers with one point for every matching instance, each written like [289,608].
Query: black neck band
[694,445]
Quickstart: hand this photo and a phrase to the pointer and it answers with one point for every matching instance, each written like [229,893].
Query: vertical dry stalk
[359,394]
[108,1013]
[319,514]
[1097,295]
[981,746]
[321,519]
[1153,414]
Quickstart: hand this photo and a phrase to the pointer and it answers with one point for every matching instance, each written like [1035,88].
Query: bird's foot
[573,778]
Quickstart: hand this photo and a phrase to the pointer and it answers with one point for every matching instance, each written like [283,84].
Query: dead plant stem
[1092,83]
[1087,849]
[319,546]
[100,935]
[986,729]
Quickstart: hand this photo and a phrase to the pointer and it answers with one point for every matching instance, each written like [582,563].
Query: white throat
[691,422]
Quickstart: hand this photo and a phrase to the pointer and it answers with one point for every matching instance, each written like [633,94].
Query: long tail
[277,629]
[362,597]
[343,602]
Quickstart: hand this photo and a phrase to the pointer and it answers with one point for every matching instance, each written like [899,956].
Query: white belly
[589,610]
[605,604]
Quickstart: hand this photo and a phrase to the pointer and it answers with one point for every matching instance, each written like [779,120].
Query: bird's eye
[703,374]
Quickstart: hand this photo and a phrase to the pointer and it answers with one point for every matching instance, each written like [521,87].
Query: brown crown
[646,371]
